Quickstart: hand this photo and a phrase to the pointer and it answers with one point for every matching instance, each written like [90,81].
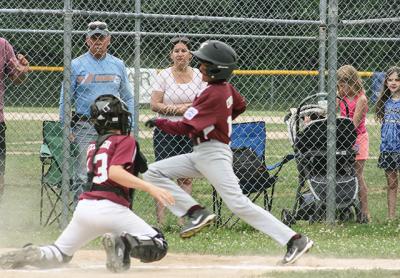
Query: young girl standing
[351,90]
[388,113]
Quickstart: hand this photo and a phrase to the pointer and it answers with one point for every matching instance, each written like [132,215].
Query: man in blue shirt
[93,74]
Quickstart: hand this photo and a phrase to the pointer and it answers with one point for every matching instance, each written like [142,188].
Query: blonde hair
[349,75]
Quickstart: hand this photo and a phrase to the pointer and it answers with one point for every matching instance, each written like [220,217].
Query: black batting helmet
[109,112]
[220,59]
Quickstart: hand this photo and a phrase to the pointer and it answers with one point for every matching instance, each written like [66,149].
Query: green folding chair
[51,157]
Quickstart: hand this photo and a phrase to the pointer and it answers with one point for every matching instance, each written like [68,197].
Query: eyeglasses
[97,25]
[175,40]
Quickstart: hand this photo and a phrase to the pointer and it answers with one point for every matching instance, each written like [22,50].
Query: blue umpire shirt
[91,78]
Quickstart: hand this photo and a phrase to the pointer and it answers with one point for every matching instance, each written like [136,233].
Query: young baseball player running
[209,123]
[105,209]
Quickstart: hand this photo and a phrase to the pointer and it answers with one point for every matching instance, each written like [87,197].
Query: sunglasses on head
[180,39]
[97,25]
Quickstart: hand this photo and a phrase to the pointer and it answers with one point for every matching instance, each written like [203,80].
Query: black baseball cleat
[200,219]
[117,261]
[296,248]
[29,255]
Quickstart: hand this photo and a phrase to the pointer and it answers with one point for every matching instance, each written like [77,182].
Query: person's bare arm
[361,108]
[21,66]
[337,103]
[119,175]
[157,105]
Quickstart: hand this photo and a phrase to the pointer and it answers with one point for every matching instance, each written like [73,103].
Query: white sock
[51,253]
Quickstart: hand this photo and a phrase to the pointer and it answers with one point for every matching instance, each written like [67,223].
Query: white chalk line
[212,267]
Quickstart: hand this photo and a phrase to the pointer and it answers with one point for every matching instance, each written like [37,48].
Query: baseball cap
[97,28]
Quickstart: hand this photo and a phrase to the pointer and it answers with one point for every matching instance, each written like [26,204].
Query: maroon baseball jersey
[6,68]
[116,150]
[211,114]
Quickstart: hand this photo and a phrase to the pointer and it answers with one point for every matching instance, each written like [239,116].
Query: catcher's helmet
[220,59]
[109,112]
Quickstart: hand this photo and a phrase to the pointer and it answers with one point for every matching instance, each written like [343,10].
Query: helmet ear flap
[94,114]
[214,70]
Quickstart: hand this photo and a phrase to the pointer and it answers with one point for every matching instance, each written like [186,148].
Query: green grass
[19,222]
[31,109]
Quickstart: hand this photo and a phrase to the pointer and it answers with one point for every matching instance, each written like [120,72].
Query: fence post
[136,77]
[67,112]
[331,144]
[322,46]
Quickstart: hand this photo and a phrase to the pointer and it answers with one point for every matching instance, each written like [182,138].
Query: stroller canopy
[314,136]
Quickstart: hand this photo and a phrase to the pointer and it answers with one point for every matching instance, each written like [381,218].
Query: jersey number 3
[102,174]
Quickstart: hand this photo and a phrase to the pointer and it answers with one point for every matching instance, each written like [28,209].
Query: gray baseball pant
[213,160]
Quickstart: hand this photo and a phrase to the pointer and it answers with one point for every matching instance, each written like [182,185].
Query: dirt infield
[90,263]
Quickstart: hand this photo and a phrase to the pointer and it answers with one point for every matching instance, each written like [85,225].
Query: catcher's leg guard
[118,259]
[146,249]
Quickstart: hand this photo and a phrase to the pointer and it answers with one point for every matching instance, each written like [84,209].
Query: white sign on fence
[147,79]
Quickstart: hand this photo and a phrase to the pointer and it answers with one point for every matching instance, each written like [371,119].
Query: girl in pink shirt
[351,90]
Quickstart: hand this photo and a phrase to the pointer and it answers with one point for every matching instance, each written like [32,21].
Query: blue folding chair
[248,144]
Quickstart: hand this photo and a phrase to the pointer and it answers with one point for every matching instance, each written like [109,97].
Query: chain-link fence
[287,51]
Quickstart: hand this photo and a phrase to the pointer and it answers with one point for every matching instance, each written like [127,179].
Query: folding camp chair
[248,143]
[51,157]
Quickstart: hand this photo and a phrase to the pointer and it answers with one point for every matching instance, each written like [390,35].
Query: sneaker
[296,248]
[200,219]
[29,255]
[117,261]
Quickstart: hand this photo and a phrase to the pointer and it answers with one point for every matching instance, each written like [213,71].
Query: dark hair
[385,94]
[180,39]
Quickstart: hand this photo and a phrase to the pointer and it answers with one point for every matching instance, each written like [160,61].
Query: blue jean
[166,145]
[3,128]
[84,134]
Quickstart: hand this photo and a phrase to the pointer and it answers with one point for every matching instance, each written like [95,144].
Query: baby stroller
[307,127]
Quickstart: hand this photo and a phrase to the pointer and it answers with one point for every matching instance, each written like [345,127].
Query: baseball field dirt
[90,263]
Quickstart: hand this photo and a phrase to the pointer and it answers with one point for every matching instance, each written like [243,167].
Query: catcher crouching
[113,162]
